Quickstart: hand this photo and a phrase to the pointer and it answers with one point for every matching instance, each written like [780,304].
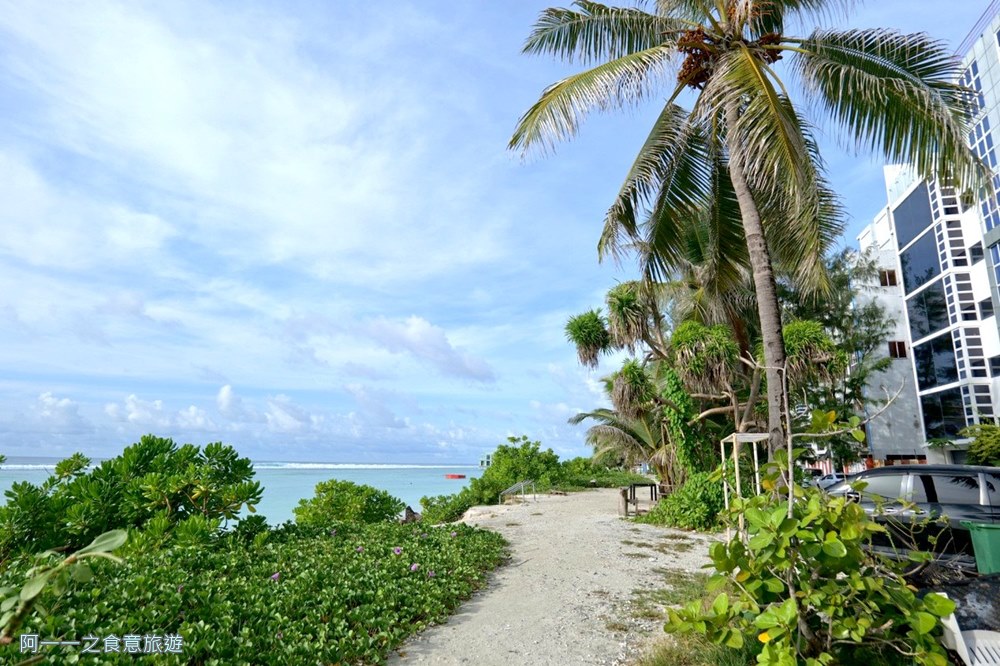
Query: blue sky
[294,227]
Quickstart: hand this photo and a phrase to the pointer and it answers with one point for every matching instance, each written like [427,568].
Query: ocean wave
[297,465]
[32,466]
[15,467]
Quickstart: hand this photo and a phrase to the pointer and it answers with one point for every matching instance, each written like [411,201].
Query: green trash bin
[986,544]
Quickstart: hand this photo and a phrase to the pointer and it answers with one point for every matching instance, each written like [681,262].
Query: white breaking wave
[266,465]
[297,465]
[32,466]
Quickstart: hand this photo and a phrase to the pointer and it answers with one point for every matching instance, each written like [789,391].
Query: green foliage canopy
[345,501]
[152,478]
[985,446]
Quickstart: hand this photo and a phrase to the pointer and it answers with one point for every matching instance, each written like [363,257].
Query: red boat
[454,476]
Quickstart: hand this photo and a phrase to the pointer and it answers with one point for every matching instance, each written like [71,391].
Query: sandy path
[570,575]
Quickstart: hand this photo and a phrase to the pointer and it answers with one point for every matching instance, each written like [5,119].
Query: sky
[295,227]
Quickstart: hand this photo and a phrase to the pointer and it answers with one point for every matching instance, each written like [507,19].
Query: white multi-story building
[940,261]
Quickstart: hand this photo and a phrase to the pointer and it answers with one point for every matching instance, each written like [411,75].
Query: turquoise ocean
[285,483]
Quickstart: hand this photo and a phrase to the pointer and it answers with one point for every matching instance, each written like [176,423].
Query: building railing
[977,29]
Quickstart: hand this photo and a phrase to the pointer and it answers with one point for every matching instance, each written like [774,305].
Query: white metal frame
[736,440]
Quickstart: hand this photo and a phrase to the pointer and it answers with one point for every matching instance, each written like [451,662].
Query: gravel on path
[564,596]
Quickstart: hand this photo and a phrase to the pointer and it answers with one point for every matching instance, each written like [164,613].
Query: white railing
[519,487]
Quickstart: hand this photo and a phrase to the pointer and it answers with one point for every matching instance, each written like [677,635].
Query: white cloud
[284,416]
[194,418]
[373,408]
[52,228]
[139,412]
[266,153]
[229,404]
[429,343]
[60,414]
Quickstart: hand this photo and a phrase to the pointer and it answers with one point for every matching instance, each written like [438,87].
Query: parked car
[901,496]
[828,480]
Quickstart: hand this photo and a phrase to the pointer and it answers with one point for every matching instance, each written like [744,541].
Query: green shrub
[521,460]
[152,478]
[807,588]
[580,472]
[346,501]
[303,597]
[985,446]
[446,508]
[694,506]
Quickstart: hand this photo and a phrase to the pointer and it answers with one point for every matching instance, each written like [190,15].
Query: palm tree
[637,439]
[743,140]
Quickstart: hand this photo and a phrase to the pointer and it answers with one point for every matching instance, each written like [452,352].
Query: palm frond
[772,16]
[725,247]
[621,82]
[598,32]
[768,132]
[895,93]
[799,239]
[671,170]
[601,414]
[693,11]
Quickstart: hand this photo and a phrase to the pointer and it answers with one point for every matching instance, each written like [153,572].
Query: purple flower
[424,535]
[454,534]
[360,549]
[397,550]
[333,532]
[414,566]
[180,588]
[430,574]
[275,576]
[280,635]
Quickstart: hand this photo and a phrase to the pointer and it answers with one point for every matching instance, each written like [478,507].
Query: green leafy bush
[345,501]
[523,460]
[694,506]
[446,508]
[519,460]
[56,573]
[985,446]
[343,594]
[152,478]
[809,591]
[580,472]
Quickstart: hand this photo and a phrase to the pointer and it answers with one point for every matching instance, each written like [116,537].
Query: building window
[920,262]
[943,414]
[935,362]
[913,215]
[986,308]
[897,349]
[995,366]
[887,278]
[928,311]
[976,253]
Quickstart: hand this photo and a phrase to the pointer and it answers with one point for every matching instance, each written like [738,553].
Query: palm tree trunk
[768,307]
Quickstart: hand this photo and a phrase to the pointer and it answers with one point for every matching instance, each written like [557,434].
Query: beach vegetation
[697,505]
[985,446]
[325,589]
[153,480]
[345,501]
[305,596]
[805,587]
[523,459]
